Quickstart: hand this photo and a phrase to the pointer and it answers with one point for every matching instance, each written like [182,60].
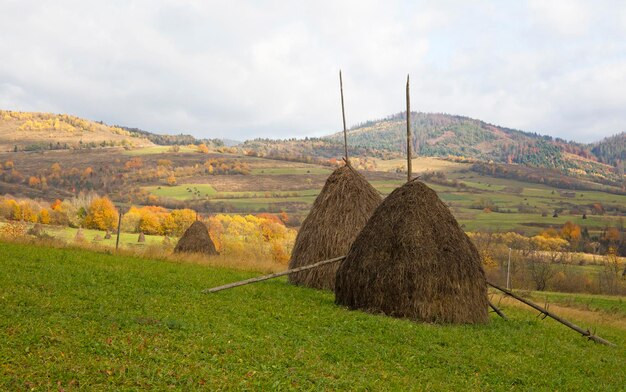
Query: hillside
[24,131]
[611,150]
[444,135]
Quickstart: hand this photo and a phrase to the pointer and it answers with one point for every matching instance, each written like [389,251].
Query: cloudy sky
[240,70]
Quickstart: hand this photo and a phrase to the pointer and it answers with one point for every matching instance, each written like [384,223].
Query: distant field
[183,192]
[159,150]
[129,240]
[74,319]
[292,170]
[510,196]
[420,164]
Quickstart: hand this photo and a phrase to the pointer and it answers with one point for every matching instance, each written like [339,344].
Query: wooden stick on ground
[498,311]
[271,276]
[585,333]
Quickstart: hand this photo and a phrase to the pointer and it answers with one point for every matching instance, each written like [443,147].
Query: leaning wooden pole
[408,131]
[343,115]
[585,333]
[271,276]
[498,311]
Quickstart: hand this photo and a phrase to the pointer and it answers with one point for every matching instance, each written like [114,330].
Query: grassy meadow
[76,319]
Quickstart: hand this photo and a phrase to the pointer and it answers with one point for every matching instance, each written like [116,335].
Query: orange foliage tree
[101,214]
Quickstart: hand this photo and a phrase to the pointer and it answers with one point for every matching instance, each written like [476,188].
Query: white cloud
[269,69]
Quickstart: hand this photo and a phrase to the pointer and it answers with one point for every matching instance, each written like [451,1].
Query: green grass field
[127,240]
[601,303]
[181,192]
[74,319]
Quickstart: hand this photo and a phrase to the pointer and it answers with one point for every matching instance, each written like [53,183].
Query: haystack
[196,239]
[80,236]
[141,238]
[412,260]
[107,235]
[338,214]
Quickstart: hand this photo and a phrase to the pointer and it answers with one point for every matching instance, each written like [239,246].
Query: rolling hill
[458,137]
[26,131]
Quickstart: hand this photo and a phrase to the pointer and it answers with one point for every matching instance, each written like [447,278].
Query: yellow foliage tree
[44,217]
[101,214]
[571,231]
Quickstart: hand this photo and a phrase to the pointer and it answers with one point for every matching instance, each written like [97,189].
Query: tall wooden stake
[119,225]
[343,115]
[408,131]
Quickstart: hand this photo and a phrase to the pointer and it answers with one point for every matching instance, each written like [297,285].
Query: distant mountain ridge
[438,134]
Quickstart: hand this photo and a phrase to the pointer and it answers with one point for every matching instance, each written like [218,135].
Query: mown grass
[72,318]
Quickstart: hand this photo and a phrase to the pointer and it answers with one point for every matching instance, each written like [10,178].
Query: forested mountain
[436,134]
[611,150]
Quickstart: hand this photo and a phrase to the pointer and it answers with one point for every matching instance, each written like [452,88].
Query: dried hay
[413,260]
[338,214]
[196,239]
[141,238]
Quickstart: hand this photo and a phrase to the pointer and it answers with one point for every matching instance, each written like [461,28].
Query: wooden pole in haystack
[271,276]
[408,131]
[343,115]
[585,333]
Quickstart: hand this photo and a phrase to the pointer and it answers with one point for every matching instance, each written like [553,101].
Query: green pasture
[291,170]
[597,303]
[183,191]
[76,319]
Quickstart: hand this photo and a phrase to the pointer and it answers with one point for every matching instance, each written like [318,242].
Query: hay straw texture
[338,214]
[196,240]
[412,260]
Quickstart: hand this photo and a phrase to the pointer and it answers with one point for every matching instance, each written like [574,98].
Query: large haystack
[338,214]
[196,240]
[413,260]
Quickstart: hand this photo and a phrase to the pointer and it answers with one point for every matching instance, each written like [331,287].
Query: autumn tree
[34,182]
[571,232]
[202,148]
[44,217]
[101,214]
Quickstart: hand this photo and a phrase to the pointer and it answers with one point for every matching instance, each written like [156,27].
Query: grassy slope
[70,317]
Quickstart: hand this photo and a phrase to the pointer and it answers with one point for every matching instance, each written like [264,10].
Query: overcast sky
[240,70]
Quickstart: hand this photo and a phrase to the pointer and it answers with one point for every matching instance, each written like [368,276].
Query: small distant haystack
[36,230]
[196,240]
[80,236]
[413,260]
[338,214]
[107,235]
[142,237]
